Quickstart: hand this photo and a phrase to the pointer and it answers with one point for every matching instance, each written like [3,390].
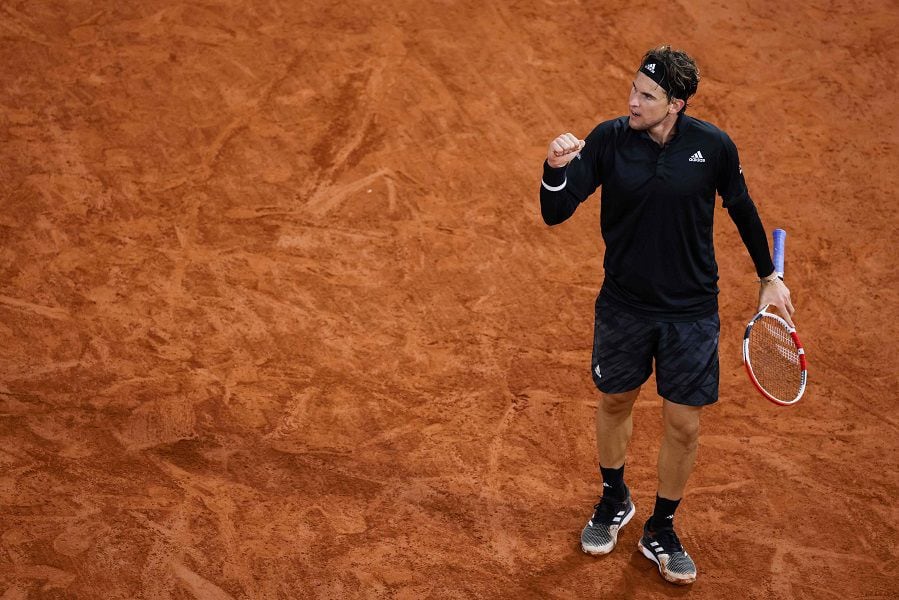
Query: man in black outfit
[659,170]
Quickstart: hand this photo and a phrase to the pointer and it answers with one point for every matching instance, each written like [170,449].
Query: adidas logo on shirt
[697,157]
[651,67]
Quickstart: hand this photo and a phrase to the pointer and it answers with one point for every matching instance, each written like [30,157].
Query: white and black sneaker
[664,549]
[601,532]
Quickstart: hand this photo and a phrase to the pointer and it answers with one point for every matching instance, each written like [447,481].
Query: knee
[683,432]
[686,437]
[617,404]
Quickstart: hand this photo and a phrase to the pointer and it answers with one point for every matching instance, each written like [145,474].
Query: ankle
[663,513]
[613,486]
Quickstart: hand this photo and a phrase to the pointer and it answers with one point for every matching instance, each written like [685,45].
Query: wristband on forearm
[770,278]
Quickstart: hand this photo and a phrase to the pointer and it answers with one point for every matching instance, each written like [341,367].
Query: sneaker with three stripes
[664,549]
[601,532]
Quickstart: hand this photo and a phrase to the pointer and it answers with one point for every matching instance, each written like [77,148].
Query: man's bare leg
[613,431]
[677,454]
[614,425]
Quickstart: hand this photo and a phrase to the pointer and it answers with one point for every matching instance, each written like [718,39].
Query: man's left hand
[775,293]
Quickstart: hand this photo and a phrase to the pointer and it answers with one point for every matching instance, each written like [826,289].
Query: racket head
[774,358]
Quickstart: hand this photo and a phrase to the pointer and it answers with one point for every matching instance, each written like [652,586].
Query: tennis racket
[772,353]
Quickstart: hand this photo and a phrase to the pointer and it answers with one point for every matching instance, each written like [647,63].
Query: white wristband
[555,188]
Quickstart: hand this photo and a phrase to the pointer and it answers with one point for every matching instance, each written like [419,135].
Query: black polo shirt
[656,213]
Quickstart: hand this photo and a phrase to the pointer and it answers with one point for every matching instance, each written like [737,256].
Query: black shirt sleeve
[746,218]
[732,188]
[562,190]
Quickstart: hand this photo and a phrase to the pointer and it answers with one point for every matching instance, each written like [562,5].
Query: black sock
[613,486]
[663,514]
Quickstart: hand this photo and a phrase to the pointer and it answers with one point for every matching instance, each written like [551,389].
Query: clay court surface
[280,318]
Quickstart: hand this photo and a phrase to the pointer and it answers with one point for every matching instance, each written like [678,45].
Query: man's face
[648,103]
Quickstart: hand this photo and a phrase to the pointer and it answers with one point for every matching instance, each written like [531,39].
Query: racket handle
[780,240]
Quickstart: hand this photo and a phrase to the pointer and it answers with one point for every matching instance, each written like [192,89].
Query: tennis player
[659,170]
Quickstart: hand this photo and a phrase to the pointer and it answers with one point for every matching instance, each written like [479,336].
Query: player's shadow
[642,575]
[639,579]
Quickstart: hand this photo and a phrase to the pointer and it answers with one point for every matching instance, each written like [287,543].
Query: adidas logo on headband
[651,67]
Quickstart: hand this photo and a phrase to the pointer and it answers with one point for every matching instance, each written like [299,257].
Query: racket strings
[774,359]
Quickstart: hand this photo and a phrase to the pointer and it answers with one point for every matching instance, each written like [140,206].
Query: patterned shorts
[685,354]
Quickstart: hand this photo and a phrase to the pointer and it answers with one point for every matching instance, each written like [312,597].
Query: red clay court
[280,318]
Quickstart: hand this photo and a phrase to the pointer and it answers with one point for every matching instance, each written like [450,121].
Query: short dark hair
[681,75]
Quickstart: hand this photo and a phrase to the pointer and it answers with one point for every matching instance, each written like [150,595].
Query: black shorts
[686,355]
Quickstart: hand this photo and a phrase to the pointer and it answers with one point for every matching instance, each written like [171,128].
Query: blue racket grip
[780,240]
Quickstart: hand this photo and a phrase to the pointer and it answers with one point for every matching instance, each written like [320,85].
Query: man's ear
[675,105]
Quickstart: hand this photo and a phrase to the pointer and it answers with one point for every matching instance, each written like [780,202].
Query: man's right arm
[569,176]
[557,203]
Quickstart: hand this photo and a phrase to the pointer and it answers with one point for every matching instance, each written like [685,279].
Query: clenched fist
[563,149]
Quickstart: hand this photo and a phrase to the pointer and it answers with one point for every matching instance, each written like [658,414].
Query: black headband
[655,70]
